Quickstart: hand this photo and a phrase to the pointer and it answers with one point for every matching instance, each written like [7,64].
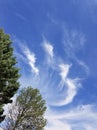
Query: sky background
[55,44]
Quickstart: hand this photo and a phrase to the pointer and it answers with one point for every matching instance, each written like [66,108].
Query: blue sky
[55,43]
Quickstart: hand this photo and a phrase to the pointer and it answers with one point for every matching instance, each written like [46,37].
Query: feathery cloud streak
[55,83]
[31,60]
[81,118]
[49,51]
[26,56]
[48,48]
[58,80]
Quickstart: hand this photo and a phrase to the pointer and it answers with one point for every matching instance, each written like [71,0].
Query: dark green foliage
[8,72]
[27,112]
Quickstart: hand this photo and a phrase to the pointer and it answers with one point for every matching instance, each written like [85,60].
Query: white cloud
[20,57]
[48,48]
[88,127]
[29,57]
[49,82]
[85,67]
[57,125]
[31,60]
[72,85]
[64,69]
[81,117]
[73,42]
[71,91]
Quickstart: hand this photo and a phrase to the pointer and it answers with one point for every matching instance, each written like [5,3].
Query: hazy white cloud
[71,88]
[51,81]
[57,124]
[87,9]
[55,83]
[84,66]
[64,69]
[20,57]
[63,72]
[81,113]
[71,85]
[31,60]
[73,42]
[25,55]
[88,127]
[81,117]
[48,47]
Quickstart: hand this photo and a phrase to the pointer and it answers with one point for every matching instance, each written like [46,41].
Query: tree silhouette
[8,72]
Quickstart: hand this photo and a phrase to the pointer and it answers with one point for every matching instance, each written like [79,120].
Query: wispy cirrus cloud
[71,85]
[58,76]
[49,50]
[57,124]
[31,60]
[87,9]
[82,117]
[55,83]
[74,42]
[83,65]
[27,56]
[64,69]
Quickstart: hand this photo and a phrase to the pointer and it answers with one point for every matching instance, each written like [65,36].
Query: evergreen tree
[8,72]
[27,113]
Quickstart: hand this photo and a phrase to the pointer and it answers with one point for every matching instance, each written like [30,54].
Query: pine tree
[27,113]
[8,72]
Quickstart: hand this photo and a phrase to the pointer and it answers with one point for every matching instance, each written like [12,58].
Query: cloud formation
[31,60]
[56,85]
[73,42]
[25,55]
[81,118]
[49,50]
[71,85]
[59,80]
[64,69]
[59,75]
